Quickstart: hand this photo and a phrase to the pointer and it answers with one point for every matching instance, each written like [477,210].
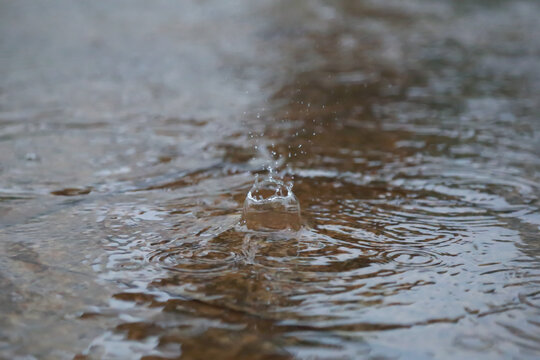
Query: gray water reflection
[130,133]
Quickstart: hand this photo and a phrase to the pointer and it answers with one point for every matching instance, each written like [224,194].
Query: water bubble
[271,205]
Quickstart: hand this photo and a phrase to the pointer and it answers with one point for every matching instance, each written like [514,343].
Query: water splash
[271,205]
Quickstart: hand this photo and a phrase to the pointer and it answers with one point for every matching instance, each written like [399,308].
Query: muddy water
[131,132]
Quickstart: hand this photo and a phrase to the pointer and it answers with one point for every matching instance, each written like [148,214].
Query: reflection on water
[131,133]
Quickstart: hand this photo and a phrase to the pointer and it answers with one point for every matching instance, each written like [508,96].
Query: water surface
[131,132]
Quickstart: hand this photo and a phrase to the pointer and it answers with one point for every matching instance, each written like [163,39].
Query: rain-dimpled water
[269,179]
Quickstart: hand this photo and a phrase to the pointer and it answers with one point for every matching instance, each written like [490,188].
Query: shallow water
[130,134]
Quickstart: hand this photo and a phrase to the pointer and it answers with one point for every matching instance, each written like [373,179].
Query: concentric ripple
[414,257]
[195,260]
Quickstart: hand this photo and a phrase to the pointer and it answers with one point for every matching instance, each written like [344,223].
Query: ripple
[194,260]
[531,299]
[473,342]
[71,191]
[414,257]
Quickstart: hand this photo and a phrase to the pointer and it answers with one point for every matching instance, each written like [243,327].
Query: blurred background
[130,132]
